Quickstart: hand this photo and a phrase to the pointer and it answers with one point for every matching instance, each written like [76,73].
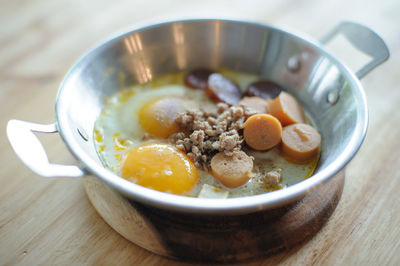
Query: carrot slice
[300,142]
[262,131]
[286,108]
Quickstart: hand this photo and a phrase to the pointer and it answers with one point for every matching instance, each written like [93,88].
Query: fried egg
[160,167]
[157,117]
[131,139]
[118,128]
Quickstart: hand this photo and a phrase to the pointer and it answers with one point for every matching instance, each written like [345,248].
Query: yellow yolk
[157,117]
[160,167]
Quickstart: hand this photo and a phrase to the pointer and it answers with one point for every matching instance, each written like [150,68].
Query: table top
[51,221]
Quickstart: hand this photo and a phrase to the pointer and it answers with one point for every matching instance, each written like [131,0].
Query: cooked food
[157,117]
[286,108]
[157,165]
[262,132]
[258,104]
[300,142]
[232,170]
[204,133]
[194,134]
[222,89]
[264,89]
[197,78]
[272,178]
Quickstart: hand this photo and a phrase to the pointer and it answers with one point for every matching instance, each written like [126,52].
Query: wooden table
[50,221]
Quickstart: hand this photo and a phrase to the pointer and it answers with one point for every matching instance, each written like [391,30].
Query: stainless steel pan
[331,94]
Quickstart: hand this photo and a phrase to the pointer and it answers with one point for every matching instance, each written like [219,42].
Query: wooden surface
[216,238]
[50,221]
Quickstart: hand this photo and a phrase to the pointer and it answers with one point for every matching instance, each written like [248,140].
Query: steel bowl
[329,92]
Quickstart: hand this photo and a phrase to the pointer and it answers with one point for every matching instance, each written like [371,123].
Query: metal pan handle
[365,40]
[29,149]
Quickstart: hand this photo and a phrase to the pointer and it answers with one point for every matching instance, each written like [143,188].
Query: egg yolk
[157,117]
[160,167]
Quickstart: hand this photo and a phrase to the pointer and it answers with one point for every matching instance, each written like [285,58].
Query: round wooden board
[216,238]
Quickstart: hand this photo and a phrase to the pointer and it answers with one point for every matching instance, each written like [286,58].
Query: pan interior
[300,66]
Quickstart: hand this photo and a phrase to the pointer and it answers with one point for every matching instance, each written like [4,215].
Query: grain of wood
[46,221]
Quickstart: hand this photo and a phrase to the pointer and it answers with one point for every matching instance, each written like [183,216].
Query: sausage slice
[222,89]
[258,104]
[264,88]
[300,142]
[197,78]
[262,131]
[232,171]
[286,108]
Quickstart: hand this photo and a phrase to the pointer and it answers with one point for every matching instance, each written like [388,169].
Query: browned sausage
[258,104]
[262,131]
[222,89]
[264,88]
[286,108]
[300,142]
[232,171]
[197,78]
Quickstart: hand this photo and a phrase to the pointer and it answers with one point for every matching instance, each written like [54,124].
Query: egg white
[118,127]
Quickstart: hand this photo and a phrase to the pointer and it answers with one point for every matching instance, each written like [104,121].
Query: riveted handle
[365,40]
[31,152]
